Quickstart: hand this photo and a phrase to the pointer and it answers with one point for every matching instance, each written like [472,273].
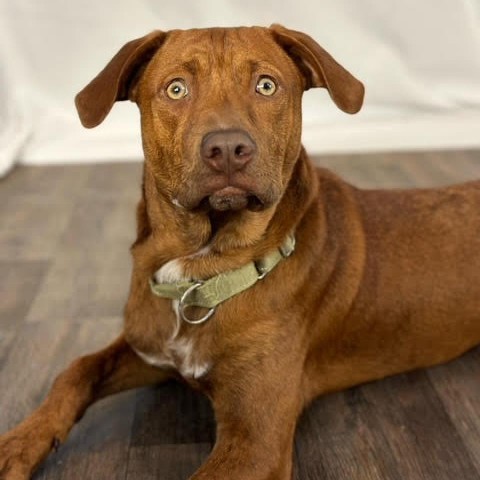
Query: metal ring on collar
[182,306]
[262,273]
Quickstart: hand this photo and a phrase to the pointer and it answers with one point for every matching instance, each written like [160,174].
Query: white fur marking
[202,252]
[156,361]
[171,272]
[183,348]
[200,369]
[187,364]
[190,366]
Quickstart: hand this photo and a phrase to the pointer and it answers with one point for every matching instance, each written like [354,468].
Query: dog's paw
[13,458]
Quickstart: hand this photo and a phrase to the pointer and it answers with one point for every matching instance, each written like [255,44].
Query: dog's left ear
[320,69]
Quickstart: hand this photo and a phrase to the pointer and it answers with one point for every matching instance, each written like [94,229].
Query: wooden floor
[64,263]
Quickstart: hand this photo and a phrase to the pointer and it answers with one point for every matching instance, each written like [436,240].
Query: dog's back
[418,301]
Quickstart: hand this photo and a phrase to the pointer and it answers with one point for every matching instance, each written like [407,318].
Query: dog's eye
[177,89]
[266,86]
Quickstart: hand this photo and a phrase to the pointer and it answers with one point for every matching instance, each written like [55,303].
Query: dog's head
[220,109]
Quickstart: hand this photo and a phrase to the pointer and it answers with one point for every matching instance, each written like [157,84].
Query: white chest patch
[189,363]
[171,272]
[180,355]
[155,360]
[179,352]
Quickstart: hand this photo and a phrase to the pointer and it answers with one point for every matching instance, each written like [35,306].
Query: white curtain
[419,59]
[15,126]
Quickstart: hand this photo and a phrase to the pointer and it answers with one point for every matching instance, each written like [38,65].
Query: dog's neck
[210,243]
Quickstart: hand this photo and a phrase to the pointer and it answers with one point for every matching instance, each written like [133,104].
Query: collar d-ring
[182,306]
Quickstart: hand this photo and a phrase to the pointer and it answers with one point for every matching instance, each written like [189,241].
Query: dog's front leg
[256,413]
[87,379]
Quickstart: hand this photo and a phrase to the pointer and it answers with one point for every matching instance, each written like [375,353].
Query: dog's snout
[227,150]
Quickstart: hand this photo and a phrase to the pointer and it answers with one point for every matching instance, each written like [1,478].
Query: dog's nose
[227,150]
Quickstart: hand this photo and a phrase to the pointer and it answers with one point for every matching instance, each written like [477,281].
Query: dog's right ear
[116,80]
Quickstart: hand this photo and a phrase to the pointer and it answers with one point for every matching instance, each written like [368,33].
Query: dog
[258,279]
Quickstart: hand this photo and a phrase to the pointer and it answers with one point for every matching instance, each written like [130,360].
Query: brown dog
[377,283]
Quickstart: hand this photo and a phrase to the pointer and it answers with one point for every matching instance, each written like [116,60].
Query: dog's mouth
[227,195]
[233,199]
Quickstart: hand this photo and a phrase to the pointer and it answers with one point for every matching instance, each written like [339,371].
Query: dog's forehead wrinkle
[191,65]
[219,48]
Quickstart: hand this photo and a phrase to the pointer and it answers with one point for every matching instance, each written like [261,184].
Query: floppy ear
[115,80]
[320,69]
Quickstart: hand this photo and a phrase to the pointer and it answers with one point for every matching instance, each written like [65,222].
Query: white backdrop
[419,60]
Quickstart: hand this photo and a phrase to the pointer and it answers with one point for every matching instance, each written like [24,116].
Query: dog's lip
[222,193]
[230,190]
[233,198]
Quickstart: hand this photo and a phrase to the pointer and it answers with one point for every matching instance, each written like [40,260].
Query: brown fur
[381,281]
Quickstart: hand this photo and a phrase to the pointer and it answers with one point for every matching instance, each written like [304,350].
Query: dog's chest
[180,354]
[179,351]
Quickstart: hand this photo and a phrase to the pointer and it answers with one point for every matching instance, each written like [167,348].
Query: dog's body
[379,282]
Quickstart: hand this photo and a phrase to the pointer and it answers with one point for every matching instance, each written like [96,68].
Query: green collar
[210,293]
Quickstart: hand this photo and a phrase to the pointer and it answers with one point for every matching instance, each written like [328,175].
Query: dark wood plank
[35,208]
[27,369]
[31,227]
[38,353]
[90,273]
[172,414]
[6,340]
[472,162]
[19,283]
[450,169]
[457,384]
[411,416]
[355,169]
[55,182]
[114,180]
[404,169]
[98,446]
[166,462]
[424,174]
[334,441]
